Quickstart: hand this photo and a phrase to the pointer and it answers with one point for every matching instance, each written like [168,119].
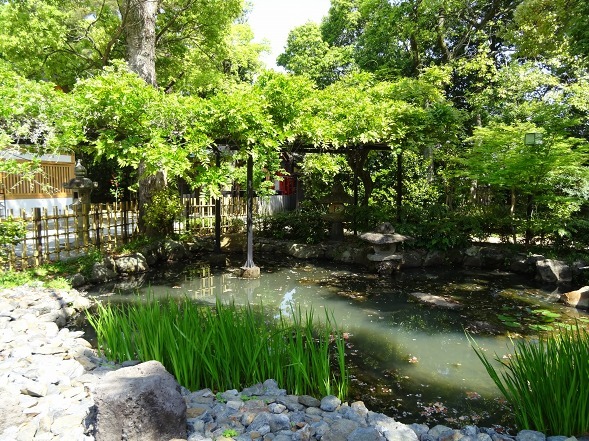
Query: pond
[408,360]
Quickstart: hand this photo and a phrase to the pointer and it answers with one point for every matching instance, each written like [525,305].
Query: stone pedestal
[250,273]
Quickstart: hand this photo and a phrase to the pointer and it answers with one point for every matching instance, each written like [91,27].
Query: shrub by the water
[226,347]
[546,382]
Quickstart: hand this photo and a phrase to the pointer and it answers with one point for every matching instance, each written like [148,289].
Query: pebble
[48,374]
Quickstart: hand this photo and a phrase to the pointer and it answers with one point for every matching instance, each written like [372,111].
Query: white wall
[28,204]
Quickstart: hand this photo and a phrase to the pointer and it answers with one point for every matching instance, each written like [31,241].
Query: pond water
[408,360]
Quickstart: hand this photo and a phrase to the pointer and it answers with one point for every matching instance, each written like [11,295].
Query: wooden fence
[49,181]
[61,234]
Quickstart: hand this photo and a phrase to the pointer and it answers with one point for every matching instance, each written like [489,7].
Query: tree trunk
[140,31]
[399,186]
[356,161]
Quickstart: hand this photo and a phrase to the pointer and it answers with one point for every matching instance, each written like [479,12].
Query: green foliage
[229,433]
[162,210]
[63,40]
[436,228]
[308,55]
[12,231]
[546,382]
[543,185]
[37,277]
[53,274]
[304,225]
[32,116]
[10,279]
[226,347]
[64,268]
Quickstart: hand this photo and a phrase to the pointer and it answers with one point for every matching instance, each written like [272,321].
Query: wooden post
[249,270]
[38,240]
[399,186]
[218,209]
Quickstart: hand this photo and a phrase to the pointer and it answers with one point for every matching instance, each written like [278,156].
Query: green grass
[52,275]
[38,276]
[227,347]
[546,382]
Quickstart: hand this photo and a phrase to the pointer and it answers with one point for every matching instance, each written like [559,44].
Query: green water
[408,360]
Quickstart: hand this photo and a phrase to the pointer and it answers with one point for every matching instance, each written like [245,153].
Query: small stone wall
[350,251]
[488,257]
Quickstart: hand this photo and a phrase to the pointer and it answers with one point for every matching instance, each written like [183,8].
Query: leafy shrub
[82,264]
[162,210]
[12,231]
[303,225]
[546,382]
[436,228]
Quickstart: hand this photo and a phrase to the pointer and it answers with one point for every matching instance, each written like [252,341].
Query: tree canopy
[445,88]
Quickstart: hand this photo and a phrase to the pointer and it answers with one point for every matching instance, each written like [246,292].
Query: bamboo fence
[61,234]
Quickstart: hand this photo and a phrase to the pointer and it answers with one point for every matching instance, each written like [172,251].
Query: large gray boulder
[174,251]
[139,403]
[306,251]
[101,273]
[578,299]
[134,263]
[413,258]
[553,271]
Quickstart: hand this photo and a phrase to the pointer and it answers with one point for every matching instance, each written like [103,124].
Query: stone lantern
[384,242]
[81,187]
[337,200]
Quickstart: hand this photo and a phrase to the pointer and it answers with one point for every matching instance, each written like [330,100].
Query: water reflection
[409,360]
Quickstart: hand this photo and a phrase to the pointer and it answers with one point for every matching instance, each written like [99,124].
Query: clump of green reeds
[546,382]
[226,346]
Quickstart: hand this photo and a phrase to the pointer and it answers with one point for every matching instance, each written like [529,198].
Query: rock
[77,280]
[553,271]
[433,300]
[101,274]
[530,435]
[472,257]
[132,264]
[413,259]
[522,264]
[577,299]
[307,400]
[435,258]
[174,251]
[330,403]
[440,430]
[419,429]
[306,251]
[139,403]
[366,434]
[493,258]
[340,430]
[109,262]
[391,429]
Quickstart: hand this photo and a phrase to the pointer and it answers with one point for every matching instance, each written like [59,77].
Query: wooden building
[45,190]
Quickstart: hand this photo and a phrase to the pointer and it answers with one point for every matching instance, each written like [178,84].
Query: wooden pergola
[249,269]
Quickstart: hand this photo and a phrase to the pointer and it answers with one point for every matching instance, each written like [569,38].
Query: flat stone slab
[383,239]
[433,300]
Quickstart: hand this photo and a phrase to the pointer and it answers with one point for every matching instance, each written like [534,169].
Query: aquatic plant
[226,346]
[546,382]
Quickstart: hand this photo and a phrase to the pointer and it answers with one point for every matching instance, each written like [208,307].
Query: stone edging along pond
[551,272]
